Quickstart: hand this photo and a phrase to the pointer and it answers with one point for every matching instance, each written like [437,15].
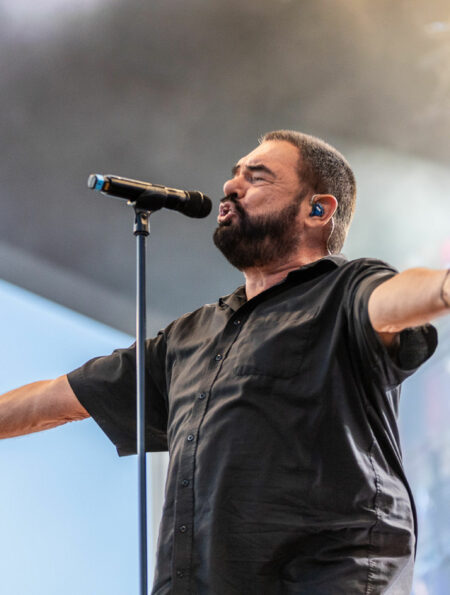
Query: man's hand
[39,406]
[409,299]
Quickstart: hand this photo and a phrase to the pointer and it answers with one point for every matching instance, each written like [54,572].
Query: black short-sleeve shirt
[280,416]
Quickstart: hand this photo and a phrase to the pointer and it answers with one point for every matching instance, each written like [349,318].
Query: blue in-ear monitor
[317,210]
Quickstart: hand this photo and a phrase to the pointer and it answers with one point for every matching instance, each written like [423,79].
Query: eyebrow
[257,167]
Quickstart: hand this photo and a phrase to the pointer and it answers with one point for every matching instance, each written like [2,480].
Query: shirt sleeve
[106,387]
[416,344]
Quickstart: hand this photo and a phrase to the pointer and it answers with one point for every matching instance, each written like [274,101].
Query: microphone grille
[198,205]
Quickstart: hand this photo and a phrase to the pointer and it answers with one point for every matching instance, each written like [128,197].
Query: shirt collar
[337,260]
[236,299]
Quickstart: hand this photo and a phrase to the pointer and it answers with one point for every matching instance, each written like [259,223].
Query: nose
[234,186]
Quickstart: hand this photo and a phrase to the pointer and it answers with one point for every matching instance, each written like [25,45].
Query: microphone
[152,196]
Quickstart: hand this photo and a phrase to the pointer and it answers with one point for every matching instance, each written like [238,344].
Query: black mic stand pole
[141,231]
[199,207]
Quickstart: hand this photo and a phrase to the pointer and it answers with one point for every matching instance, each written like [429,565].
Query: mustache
[230,198]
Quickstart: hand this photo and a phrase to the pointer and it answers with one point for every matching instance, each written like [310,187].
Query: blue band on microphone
[100,180]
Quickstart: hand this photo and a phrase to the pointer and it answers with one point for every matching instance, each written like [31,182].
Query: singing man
[278,403]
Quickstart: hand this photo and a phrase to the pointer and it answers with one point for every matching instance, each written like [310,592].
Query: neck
[258,279]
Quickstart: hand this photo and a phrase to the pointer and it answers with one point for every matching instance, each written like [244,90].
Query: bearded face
[253,241]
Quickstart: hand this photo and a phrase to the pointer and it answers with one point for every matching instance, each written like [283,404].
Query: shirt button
[190,437]
[182,528]
[218,357]
[201,396]
[180,573]
[185,483]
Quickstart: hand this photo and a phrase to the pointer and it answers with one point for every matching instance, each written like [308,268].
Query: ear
[329,204]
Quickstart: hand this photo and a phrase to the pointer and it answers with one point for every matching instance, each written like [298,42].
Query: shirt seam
[370,560]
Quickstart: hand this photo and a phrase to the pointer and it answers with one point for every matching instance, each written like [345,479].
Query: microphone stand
[193,204]
[141,230]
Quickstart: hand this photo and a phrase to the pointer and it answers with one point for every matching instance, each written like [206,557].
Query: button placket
[185,523]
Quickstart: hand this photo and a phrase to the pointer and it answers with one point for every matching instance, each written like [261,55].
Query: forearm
[409,299]
[38,406]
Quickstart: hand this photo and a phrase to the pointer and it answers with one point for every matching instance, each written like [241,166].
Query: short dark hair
[325,171]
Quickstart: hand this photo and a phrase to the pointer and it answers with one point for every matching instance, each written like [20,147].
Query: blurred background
[174,92]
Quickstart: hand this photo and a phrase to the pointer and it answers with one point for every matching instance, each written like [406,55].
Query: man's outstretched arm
[409,299]
[39,406]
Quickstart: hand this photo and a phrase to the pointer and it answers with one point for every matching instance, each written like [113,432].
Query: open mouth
[226,213]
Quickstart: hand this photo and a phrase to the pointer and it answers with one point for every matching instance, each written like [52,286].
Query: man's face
[258,218]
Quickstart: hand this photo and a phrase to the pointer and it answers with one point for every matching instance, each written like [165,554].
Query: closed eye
[252,169]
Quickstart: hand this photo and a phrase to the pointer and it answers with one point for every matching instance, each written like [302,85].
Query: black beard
[256,241]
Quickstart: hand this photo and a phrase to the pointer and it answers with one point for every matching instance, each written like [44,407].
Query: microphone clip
[141,221]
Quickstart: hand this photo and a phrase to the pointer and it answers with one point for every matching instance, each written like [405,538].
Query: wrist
[445,289]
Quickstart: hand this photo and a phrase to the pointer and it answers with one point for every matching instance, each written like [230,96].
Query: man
[278,403]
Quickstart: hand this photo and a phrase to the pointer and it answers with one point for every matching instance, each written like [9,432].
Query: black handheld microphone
[152,196]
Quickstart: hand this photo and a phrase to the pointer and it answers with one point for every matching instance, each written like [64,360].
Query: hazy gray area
[174,92]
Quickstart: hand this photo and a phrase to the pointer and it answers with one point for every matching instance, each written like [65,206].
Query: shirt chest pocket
[276,346]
